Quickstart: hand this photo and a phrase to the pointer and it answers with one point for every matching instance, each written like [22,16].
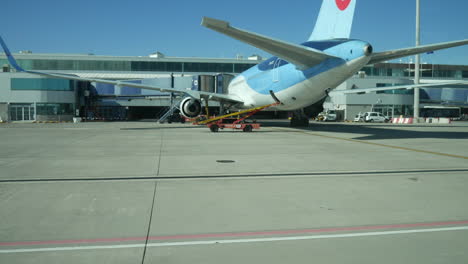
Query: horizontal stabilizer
[301,56]
[400,53]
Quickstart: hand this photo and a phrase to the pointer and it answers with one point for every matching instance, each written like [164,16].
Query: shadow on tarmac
[226,130]
[375,132]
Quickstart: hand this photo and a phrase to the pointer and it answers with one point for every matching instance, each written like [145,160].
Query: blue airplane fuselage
[301,87]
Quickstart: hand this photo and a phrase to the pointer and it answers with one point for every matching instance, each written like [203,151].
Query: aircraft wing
[453,84]
[399,53]
[301,56]
[195,94]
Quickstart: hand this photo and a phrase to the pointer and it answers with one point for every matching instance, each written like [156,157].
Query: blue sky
[140,27]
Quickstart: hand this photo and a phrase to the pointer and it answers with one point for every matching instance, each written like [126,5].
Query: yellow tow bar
[236,113]
[277,102]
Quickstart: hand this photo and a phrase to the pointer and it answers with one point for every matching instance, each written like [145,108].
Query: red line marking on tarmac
[226,235]
[75,241]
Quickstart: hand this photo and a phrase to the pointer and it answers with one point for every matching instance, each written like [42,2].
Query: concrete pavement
[100,192]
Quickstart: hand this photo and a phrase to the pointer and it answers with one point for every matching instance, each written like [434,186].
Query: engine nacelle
[190,107]
[368,49]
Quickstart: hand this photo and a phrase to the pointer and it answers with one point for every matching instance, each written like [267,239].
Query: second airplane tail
[334,20]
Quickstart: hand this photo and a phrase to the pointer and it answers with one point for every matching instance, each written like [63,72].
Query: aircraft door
[276,77]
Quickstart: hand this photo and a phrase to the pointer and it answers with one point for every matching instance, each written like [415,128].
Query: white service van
[375,117]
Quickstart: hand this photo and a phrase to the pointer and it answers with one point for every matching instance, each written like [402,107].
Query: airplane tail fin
[334,20]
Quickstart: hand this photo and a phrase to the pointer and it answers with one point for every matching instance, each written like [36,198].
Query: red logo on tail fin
[342,4]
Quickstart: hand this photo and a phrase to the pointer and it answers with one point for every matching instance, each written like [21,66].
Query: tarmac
[142,192]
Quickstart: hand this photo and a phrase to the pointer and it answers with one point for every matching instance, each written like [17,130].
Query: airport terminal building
[25,97]
[436,102]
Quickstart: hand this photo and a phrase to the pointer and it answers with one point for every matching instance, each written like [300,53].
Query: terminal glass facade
[30,111]
[128,66]
[238,68]
[22,112]
[394,110]
[54,109]
[156,66]
[87,64]
[407,70]
[41,84]
[209,67]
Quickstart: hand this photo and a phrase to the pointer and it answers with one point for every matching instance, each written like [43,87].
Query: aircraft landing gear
[299,119]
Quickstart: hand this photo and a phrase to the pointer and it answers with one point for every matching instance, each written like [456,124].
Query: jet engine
[368,49]
[190,107]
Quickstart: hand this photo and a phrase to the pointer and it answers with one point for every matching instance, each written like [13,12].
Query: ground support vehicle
[231,121]
[329,115]
[375,117]
[359,117]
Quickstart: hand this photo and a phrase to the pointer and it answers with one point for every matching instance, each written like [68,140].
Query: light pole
[416,66]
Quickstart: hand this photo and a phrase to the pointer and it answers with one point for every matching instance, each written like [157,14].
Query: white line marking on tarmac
[231,241]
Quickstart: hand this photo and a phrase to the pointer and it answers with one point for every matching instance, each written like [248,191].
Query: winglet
[214,23]
[10,57]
